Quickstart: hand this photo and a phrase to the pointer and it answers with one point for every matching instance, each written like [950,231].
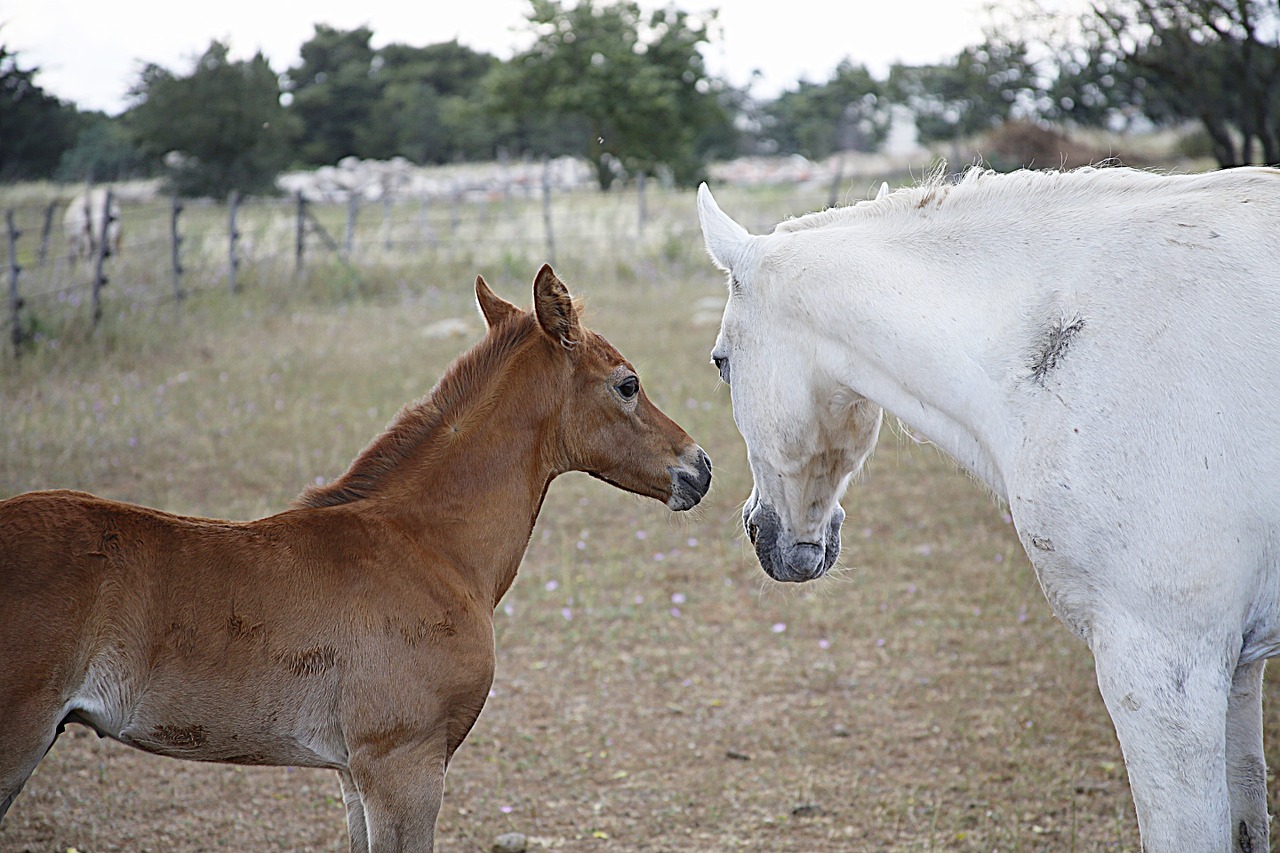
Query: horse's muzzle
[781,556]
[690,480]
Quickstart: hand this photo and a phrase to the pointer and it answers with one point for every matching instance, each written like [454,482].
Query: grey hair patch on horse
[1053,346]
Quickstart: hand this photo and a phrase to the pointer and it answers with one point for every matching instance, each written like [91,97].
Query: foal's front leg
[401,787]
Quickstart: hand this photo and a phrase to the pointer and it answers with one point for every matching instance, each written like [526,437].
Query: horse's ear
[726,240]
[554,307]
[495,309]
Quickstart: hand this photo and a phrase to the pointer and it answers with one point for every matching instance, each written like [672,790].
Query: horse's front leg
[1246,764]
[1168,699]
[401,786]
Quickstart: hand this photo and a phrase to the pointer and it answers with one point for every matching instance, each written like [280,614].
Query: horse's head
[606,425]
[807,434]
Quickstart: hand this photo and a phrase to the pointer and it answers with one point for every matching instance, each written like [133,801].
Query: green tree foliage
[334,91]
[1213,61]
[1094,87]
[220,128]
[431,108]
[614,86]
[104,151]
[972,94]
[37,127]
[847,113]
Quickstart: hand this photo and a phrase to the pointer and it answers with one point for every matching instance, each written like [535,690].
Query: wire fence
[136,254]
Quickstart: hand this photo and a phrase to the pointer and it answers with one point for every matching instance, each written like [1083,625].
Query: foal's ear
[495,309]
[554,307]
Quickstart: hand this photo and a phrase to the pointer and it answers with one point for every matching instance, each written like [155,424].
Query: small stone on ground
[510,842]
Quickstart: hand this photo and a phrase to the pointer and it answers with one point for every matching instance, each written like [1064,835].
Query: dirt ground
[654,693]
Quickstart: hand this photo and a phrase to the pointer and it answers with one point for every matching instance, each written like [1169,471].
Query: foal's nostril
[753,531]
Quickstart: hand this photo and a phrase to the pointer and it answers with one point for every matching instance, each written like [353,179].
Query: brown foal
[353,631]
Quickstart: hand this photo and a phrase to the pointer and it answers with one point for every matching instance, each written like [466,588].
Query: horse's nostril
[753,531]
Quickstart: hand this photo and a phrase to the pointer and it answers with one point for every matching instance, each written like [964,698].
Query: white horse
[85,221]
[1102,349]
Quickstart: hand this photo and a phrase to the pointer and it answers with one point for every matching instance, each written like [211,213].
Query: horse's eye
[722,365]
[629,388]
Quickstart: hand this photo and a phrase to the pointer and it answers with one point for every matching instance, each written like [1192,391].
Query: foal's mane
[465,389]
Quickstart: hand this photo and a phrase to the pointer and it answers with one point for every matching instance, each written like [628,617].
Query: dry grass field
[655,691]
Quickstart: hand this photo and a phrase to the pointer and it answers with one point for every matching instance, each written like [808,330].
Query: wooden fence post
[833,194]
[641,214]
[455,212]
[104,250]
[15,302]
[353,210]
[300,240]
[233,258]
[175,241]
[45,232]
[388,207]
[546,210]
[333,246]
[424,220]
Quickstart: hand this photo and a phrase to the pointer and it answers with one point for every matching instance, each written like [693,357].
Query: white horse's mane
[978,188]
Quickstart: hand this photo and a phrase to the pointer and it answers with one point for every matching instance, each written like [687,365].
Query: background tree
[847,113]
[970,95]
[1095,87]
[1213,61]
[220,128]
[431,106]
[334,89]
[614,86]
[37,127]
[104,151]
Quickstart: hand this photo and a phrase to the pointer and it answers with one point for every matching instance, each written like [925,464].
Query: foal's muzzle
[689,480]
[781,556]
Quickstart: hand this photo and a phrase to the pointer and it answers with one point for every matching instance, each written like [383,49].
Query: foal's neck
[463,472]
[474,488]
[478,494]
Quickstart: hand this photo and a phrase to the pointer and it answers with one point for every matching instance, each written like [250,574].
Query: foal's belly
[231,723]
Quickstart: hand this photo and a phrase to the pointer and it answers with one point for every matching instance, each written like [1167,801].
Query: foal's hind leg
[357,827]
[1246,766]
[401,787]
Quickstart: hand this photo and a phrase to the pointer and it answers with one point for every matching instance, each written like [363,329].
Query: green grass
[653,686]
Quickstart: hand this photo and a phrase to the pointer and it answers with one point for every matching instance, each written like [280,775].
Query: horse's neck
[935,351]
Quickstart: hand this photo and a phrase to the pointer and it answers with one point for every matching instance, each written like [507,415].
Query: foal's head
[806,433]
[606,426]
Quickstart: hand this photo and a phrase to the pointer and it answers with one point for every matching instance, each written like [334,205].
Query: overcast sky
[90,51]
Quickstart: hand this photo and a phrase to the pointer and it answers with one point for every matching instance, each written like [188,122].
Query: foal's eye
[629,388]
[722,365]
